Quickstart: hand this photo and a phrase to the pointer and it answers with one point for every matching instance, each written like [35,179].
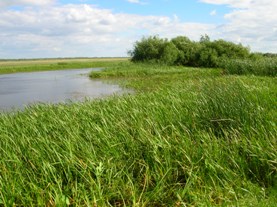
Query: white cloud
[213,13]
[136,2]
[82,30]
[6,3]
[250,21]
[86,30]
[232,3]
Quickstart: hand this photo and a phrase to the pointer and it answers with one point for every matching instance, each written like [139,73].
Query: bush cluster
[232,58]
[183,51]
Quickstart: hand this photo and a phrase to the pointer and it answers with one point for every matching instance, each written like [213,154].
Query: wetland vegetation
[233,58]
[187,137]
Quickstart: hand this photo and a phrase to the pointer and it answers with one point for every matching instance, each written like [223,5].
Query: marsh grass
[262,66]
[188,137]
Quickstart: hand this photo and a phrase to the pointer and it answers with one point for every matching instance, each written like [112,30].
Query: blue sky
[97,28]
[186,10]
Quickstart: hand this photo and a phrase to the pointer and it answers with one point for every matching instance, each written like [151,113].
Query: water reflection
[21,89]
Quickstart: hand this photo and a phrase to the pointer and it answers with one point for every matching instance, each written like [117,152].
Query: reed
[188,137]
[265,66]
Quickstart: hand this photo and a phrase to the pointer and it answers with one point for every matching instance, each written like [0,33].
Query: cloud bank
[6,3]
[252,22]
[82,30]
[46,29]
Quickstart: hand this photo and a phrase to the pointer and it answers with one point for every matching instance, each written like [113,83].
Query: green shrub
[182,51]
[148,49]
[170,54]
[185,50]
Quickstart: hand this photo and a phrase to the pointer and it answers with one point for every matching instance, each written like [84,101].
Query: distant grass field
[187,137]
[14,66]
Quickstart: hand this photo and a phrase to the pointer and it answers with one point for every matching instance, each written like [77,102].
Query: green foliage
[234,58]
[185,50]
[208,56]
[170,54]
[229,50]
[205,53]
[148,49]
[205,39]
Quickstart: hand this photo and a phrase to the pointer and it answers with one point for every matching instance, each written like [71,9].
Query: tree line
[183,51]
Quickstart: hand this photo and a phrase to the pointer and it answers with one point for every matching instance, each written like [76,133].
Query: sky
[109,28]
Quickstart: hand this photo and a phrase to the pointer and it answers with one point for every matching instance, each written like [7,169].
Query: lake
[21,89]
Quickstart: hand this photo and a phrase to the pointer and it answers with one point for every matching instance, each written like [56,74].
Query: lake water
[21,89]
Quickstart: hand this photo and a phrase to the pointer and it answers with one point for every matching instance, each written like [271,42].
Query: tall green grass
[261,66]
[189,137]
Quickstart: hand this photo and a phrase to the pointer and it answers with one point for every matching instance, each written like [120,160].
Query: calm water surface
[21,89]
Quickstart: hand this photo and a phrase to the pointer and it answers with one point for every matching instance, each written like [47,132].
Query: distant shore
[44,64]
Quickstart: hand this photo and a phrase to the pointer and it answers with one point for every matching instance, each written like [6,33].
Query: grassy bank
[14,66]
[188,137]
